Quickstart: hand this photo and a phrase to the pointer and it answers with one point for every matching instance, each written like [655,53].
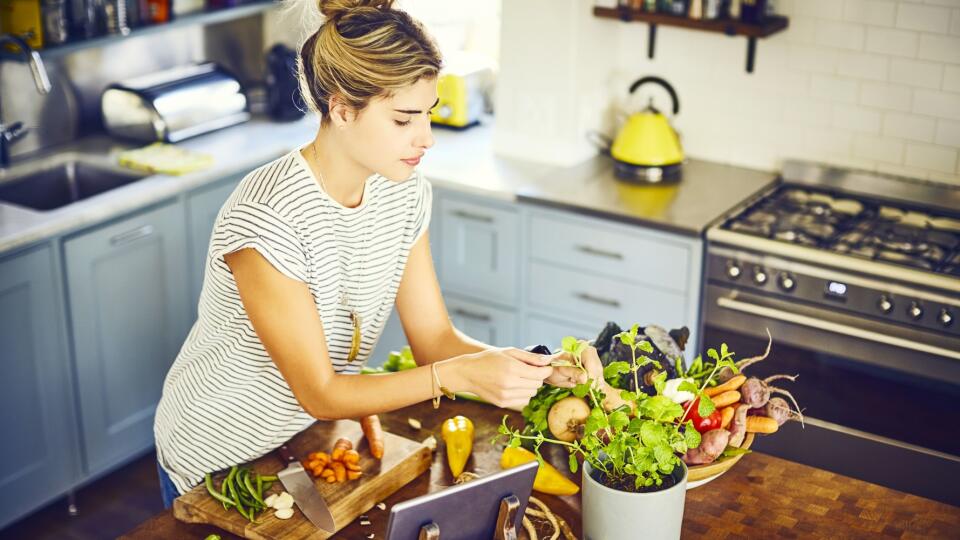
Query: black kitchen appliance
[284,100]
[857,277]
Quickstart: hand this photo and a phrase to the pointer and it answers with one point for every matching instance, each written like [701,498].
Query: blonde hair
[363,49]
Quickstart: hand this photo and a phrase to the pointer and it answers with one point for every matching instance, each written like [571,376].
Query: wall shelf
[752,32]
[203,18]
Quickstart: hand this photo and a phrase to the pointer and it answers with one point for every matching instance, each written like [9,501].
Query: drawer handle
[597,299]
[471,216]
[600,253]
[132,235]
[472,315]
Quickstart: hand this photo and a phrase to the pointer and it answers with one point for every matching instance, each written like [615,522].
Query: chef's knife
[299,484]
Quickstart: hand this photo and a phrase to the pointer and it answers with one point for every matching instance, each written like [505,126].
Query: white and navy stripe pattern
[224,400]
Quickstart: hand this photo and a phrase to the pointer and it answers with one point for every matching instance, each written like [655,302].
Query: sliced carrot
[726,415]
[353,466]
[353,475]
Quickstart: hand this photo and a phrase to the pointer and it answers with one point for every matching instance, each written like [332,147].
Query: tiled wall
[871,84]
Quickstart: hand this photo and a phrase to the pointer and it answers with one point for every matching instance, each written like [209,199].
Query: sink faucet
[9,133]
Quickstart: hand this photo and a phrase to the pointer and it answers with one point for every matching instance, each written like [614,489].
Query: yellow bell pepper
[548,479]
[457,433]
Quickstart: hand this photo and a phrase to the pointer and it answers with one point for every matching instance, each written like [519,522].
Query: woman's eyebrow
[412,111]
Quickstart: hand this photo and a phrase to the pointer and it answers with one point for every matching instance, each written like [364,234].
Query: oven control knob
[915,311]
[945,317]
[787,281]
[733,270]
[885,304]
[759,276]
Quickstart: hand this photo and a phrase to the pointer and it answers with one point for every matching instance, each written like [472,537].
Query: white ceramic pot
[611,514]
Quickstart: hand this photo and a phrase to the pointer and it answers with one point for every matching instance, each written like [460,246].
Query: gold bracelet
[444,391]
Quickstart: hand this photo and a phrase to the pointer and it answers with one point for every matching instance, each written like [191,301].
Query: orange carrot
[726,398]
[733,384]
[726,415]
[340,471]
[339,448]
[761,424]
[353,475]
[353,467]
[374,434]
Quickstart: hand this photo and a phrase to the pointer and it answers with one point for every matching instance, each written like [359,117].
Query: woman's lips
[412,162]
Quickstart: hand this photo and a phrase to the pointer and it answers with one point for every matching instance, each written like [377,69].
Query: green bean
[208,480]
[253,492]
[260,487]
[269,478]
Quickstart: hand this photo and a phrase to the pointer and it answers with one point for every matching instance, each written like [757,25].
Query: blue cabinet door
[39,456]
[127,287]
[483,322]
[202,209]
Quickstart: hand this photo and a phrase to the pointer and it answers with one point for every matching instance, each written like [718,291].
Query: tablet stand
[505,518]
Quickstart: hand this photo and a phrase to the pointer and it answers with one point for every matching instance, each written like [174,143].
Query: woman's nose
[425,139]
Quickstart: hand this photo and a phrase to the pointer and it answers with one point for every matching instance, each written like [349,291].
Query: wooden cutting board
[403,460]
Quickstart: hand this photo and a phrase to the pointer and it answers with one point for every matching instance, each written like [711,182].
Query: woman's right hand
[507,377]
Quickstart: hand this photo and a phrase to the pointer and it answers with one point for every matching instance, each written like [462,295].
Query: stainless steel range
[857,277]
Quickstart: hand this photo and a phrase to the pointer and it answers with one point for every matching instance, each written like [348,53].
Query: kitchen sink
[51,184]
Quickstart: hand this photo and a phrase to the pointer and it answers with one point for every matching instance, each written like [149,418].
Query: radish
[756,393]
[566,418]
[726,373]
[738,426]
[778,409]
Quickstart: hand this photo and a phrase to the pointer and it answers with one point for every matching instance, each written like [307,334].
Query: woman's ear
[341,114]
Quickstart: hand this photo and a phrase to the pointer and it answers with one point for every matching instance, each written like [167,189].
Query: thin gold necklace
[355,319]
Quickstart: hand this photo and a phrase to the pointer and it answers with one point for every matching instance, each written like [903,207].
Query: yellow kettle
[647,149]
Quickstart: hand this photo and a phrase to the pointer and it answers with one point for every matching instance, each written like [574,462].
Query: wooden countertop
[762,496]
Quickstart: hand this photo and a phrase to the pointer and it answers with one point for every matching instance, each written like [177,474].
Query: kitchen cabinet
[39,458]
[479,248]
[203,206]
[128,292]
[483,321]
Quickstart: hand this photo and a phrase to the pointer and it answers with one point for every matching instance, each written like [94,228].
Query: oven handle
[836,328]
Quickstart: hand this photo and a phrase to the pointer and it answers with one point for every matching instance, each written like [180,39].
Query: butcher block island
[761,497]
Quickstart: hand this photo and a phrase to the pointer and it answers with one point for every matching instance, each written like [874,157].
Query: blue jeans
[168,491]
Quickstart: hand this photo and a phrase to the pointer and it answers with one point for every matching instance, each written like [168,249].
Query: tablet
[465,511]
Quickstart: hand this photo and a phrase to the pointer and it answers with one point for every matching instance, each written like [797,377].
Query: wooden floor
[107,508]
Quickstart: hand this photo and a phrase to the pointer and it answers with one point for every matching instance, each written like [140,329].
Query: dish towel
[163,158]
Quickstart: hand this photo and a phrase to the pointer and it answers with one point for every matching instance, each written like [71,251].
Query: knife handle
[285,454]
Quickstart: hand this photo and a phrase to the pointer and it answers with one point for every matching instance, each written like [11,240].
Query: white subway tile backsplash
[863,65]
[945,178]
[856,119]
[886,96]
[909,126]
[841,35]
[827,142]
[823,9]
[935,158]
[924,18]
[939,48]
[955,22]
[916,73]
[807,113]
[872,12]
[878,148]
[892,42]
[938,104]
[812,59]
[948,133]
[834,88]
[951,78]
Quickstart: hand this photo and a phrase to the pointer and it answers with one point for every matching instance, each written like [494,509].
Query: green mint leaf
[660,408]
[652,434]
[619,419]
[687,386]
[723,350]
[645,346]
[514,442]
[625,338]
[569,344]
[691,436]
[615,368]
[582,389]
[572,463]
[706,406]
[663,454]
[659,381]
[712,353]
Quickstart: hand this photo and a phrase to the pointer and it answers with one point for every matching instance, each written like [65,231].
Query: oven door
[880,400]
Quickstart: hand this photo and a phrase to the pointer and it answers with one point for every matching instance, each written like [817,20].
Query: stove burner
[860,228]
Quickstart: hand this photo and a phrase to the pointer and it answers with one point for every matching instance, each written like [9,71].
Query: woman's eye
[399,123]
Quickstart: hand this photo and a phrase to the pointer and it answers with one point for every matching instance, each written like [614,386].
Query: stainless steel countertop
[460,161]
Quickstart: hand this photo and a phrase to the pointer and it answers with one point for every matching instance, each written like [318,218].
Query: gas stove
[857,278]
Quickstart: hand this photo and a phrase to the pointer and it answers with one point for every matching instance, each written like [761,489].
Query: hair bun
[336,9]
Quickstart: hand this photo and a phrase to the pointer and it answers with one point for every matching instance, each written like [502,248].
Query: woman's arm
[423,313]
[285,319]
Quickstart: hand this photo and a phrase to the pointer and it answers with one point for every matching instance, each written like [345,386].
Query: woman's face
[392,133]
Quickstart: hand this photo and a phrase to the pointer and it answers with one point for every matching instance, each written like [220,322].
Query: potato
[566,416]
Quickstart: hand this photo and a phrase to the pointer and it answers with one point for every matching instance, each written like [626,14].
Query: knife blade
[299,484]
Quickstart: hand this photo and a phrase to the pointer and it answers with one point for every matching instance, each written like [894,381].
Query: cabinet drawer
[598,247]
[479,250]
[483,322]
[549,332]
[595,300]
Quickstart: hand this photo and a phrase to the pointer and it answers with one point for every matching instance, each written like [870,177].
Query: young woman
[310,254]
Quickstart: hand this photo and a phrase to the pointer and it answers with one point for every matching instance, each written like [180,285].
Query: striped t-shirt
[224,400]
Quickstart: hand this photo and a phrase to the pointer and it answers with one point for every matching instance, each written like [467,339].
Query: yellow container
[22,18]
